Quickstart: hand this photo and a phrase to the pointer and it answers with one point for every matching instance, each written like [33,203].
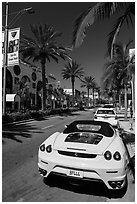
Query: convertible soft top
[100,127]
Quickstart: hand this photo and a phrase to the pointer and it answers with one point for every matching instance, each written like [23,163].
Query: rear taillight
[42,147]
[117,156]
[108,155]
[49,148]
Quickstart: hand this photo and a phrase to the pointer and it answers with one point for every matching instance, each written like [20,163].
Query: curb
[126,126]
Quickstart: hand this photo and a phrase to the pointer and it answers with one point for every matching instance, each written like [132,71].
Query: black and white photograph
[68,101]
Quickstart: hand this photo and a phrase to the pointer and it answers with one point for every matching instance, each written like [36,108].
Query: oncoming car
[85,150]
[108,115]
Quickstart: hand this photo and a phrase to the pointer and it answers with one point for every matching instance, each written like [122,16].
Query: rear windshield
[88,127]
[84,137]
[99,127]
[105,112]
[108,106]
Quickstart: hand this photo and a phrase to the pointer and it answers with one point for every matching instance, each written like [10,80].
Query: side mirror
[120,129]
[116,117]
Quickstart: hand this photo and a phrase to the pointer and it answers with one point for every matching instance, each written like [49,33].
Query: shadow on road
[14,131]
[69,114]
[41,118]
[89,188]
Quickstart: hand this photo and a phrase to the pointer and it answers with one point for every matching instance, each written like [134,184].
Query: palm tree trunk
[119,101]
[44,85]
[93,97]
[133,94]
[73,90]
[88,96]
[98,97]
[125,102]
[114,99]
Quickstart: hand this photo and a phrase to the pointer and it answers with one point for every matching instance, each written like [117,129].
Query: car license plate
[106,117]
[75,173]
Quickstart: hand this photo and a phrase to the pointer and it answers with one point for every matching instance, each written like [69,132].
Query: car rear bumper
[99,174]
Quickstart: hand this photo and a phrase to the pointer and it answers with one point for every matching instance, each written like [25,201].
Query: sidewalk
[129,127]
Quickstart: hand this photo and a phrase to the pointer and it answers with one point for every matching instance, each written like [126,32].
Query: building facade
[25,80]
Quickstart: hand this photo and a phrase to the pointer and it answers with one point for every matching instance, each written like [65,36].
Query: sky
[62,15]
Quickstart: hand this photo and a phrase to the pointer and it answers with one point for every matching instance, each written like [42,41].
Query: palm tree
[24,93]
[101,11]
[42,48]
[72,70]
[111,78]
[94,88]
[131,74]
[61,96]
[88,83]
[98,89]
[116,75]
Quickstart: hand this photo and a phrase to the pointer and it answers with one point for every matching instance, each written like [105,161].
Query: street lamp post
[5,60]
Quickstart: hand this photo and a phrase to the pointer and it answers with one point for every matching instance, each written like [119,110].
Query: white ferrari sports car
[85,150]
[108,115]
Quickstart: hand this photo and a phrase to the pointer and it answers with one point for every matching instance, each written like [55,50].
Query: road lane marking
[23,122]
[47,127]
[20,200]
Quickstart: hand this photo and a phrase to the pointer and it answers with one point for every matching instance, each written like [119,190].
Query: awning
[12,97]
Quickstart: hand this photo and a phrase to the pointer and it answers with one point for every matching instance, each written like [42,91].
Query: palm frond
[53,57]
[107,9]
[35,31]
[28,53]
[27,41]
[115,74]
[127,45]
[82,22]
[55,35]
[51,76]
[113,34]
[72,70]
[88,82]
[88,17]
[130,10]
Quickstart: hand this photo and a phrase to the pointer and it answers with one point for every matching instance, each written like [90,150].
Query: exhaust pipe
[119,184]
[42,171]
[113,184]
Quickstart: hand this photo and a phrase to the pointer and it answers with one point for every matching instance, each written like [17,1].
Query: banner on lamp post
[13,46]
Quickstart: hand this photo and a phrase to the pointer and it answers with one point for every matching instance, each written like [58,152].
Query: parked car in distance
[108,115]
[85,150]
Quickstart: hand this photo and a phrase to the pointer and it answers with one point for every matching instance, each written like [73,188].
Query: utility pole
[5,58]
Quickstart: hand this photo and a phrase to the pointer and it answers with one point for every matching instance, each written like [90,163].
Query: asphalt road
[20,178]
